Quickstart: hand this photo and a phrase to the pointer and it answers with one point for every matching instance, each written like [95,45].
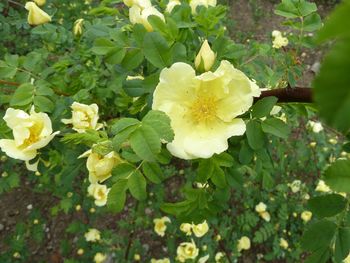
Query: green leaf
[331,87]
[145,142]
[342,244]
[117,196]
[122,171]
[153,172]
[137,185]
[267,180]
[327,205]
[132,59]
[246,154]
[319,256]
[6,70]
[276,127]
[205,170]
[337,176]
[306,8]
[218,177]
[312,22]
[23,95]
[123,124]
[160,122]
[44,104]
[318,235]
[157,50]
[102,46]
[255,136]
[116,55]
[263,107]
[287,9]
[223,159]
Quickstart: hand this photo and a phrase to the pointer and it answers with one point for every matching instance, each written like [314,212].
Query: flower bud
[36,16]
[205,57]
[78,27]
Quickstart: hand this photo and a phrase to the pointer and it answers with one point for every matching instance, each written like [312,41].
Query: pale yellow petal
[10,148]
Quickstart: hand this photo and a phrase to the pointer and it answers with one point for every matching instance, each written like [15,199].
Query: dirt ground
[250,16]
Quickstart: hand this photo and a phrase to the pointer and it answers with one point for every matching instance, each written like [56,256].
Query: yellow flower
[187,250]
[84,117]
[160,226]
[266,216]
[203,259]
[261,207]
[219,256]
[203,109]
[243,243]
[171,4]
[137,257]
[283,243]
[306,216]
[36,16]
[200,229]
[315,126]
[347,259]
[99,257]
[322,187]
[138,15]
[30,132]
[100,167]
[40,2]
[80,251]
[279,41]
[206,3]
[92,235]
[205,57]
[186,228]
[295,186]
[78,27]
[140,3]
[164,260]
[99,192]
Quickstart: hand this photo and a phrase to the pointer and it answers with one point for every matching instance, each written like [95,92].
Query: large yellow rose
[187,250]
[137,15]
[100,167]
[84,117]
[36,16]
[30,133]
[203,109]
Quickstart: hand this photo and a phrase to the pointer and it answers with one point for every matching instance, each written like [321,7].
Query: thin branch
[9,83]
[289,94]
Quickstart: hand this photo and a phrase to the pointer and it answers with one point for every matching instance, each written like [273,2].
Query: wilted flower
[306,216]
[92,235]
[206,3]
[164,260]
[30,132]
[100,167]
[36,16]
[203,109]
[200,229]
[205,57]
[99,192]
[99,257]
[84,117]
[186,228]
[138,15]
[243,243]
[283,243]
[279,41]
[219,256]
[187,250]
[78,27]
[160,226]
[171,4]
[322,187]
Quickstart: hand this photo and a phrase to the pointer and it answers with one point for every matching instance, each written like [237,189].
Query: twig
[289,94]
[9,83]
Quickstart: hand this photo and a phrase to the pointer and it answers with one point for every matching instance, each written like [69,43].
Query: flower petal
[10,148]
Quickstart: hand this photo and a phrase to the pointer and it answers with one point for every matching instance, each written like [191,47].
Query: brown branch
[289,94]
[9,83]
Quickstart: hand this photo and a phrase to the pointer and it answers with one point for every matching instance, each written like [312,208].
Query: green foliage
[327,205]
[337,176]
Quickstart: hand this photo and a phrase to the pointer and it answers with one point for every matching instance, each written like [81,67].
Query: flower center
[34,136]
[203,109]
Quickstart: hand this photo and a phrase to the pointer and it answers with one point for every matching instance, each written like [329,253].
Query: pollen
[203,109]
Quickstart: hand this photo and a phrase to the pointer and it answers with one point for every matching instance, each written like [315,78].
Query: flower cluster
[278,41]
[198,230]
[261,209]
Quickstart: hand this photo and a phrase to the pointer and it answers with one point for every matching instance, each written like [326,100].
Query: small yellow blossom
[279,41]
[36,16]
[186,228]
[171,4]
[99,192]
[283,243]
[306,216]
[266,216]
[100,167]
[322,187]
[78,27]
[313,144]
[84,117]
[261,207]
[187,250]
[243,243]
[205,58]
[16,255]
[138,15]
[333,141]
[217,237]
[4,174]
[99,257]
[200,229]
[92,235]
[30,131]
[80,251]
[295,186]
[164,260]
[77,207]
[203,109]
[92,210]
[160,225]
[137,257]
[219,256]
[206,3]
[315,126]
[40,2]
[36,221]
